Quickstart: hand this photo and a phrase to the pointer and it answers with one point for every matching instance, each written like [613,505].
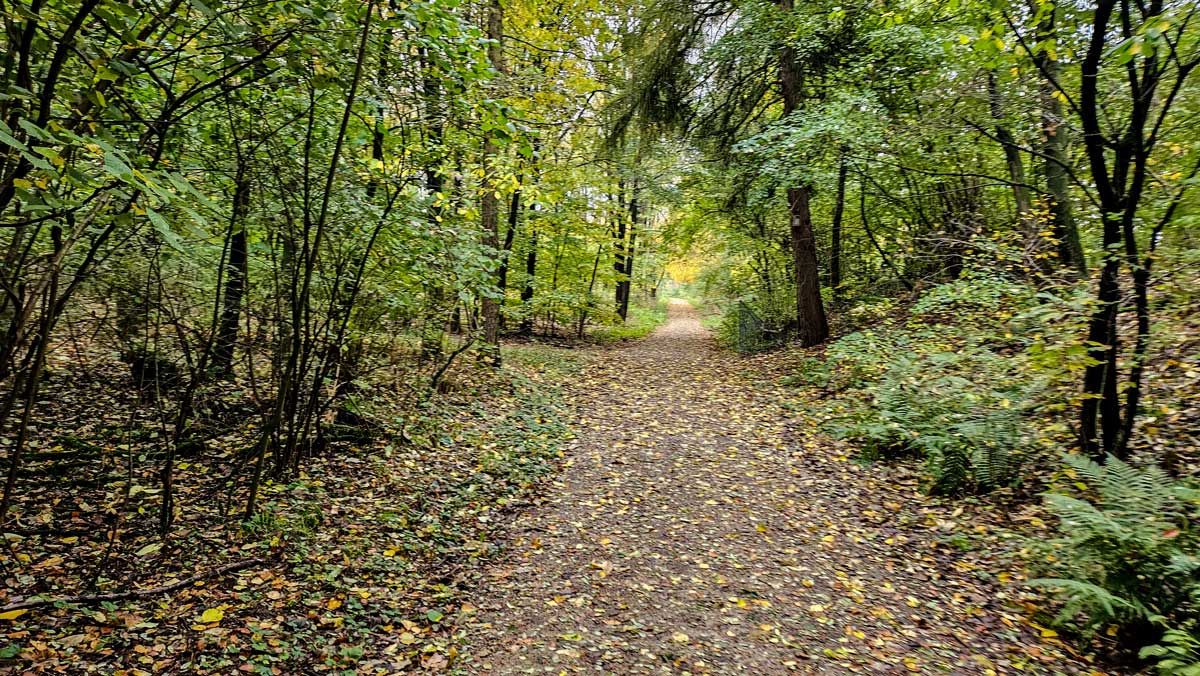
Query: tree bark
[530,278]
[619,250]
[626,280]
[489,208]
[812,325]
[1100,411]
[1012,154]
[1054,162]
[434,313]
[509,235]
[235,280]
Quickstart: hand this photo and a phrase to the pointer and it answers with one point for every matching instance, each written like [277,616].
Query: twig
[137,593]
[433,382]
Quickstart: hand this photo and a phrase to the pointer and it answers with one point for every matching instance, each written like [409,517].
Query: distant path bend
[699,527]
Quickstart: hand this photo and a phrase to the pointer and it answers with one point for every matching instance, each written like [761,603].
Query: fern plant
[955,409]
[1178,654]
[1128,556]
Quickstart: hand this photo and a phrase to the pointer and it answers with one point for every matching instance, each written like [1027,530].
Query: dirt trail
[697,529]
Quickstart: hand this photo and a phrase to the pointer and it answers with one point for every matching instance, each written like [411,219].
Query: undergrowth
[1127,561]
[371,548]
[978,379]
[948,380]
[641,322]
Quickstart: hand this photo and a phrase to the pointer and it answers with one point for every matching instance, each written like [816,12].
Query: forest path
[697,528]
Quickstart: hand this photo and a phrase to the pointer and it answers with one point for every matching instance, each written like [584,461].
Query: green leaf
[148,549]
[164,229]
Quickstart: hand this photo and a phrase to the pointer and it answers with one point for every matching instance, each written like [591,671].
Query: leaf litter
[700,525]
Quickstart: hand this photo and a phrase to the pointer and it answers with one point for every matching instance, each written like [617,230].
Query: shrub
[1178,654]
[981,294]
[970,430]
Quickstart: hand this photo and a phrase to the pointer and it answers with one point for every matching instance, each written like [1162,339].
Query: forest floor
[699,525]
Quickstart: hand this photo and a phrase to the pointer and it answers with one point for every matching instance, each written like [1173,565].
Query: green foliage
[947,386]
[962,411]
[974,295]
[643,319]
[1128,555]
[1177,653]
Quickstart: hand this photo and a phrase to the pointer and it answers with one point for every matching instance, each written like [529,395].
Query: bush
[1128,556]
[948,385]
[978,294]
[970,430]
[643,319]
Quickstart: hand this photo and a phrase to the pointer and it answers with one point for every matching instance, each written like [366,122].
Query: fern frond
[1101,605]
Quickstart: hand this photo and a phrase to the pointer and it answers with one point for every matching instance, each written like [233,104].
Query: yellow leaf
[679,637]
[13,614]
[407,638]
[333,604]
[212,615]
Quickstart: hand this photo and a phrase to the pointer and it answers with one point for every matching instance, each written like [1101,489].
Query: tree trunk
[626,280]
[583,314]
[835,244]
[812,326]
[527,290]
[235,280]
[1054,162]
[619,251]
[434,315]
[490,205]
[1100,411]
[1012,154]
[509,235]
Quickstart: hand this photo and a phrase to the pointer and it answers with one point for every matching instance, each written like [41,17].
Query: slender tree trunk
[835,244]
[1054,142]
[619,251]
[490,204]
[1100,411]
[235,280]
[510,234]
[1012,154]
[434,315]
[812,325]
[530,279]
[283,413]
[625,281]
[33,382]
[583,315]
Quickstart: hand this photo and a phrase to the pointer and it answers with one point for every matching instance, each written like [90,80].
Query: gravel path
[696,528]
